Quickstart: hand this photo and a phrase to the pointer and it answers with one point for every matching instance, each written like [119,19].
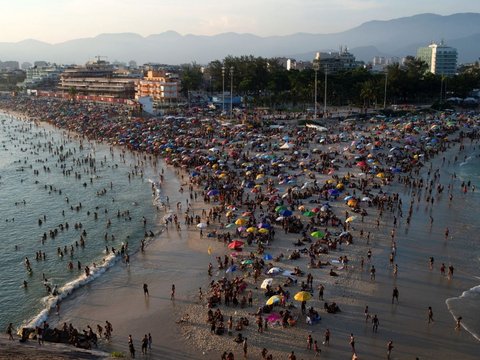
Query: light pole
[325,95]
[385,91]
[316,66]
[231,92]
[223,89]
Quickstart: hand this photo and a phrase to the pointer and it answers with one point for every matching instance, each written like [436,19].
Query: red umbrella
[235,244]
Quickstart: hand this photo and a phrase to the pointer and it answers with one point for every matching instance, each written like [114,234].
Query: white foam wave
[474,292]
[67,289]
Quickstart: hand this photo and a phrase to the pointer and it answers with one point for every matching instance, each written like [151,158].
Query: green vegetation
[117,354]
[265,82]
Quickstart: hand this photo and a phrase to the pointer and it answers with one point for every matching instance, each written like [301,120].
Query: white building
[441,59]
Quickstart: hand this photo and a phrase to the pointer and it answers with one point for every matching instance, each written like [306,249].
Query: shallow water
[27,197]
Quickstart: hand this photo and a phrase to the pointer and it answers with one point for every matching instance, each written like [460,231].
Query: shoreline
[351,290]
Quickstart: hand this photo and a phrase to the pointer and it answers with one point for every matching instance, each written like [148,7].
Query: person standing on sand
[10,331]
[375,323]
[352,342]
[321,288]
[430,315]
[130,346]
[145,344]
[309,342]
[292,356]
[458,325]
[395,294]
[326,340]
[150,341]
[245,348]
[145,290]
[389,349]
[372,273]
[172,295]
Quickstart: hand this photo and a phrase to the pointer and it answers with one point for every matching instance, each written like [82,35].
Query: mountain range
[398,37]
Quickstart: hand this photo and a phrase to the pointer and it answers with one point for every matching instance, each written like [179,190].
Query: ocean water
[467,304]
[45,175]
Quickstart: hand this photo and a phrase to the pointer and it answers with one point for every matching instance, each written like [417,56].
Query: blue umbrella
[285,212]
[267,257]
[213,192]
[231,269]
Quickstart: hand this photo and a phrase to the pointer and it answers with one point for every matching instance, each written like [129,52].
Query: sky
[55,21]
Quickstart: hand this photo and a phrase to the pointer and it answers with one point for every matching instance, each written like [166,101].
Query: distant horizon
[230,32]
[58,21]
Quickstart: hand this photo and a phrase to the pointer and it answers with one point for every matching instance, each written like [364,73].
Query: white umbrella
[274,270]
[266,282]
[202,225]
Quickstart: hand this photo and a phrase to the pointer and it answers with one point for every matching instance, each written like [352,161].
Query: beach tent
[266,282]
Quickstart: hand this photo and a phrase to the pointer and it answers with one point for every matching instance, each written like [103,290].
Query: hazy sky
[59,20]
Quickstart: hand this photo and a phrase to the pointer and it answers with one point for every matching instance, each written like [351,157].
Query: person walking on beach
[367,314]
[321,289]
[172,295]
[395,294]
[245,348]
[145,344]
[145,290]
[389,349]
[430,315]
[352,342]
[372,272]
[309,342]
[458,325]
[150,341]
[326,339]
[10,331]
[375,323]
[131,347]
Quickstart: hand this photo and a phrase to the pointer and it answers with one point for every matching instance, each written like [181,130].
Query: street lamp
[231,92]
[385,91]
[316,66]
[325,95]
[223,89]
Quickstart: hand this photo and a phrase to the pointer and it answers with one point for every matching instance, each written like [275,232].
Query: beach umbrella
[316,209]
[231,269]
[274,271]
[273,317]
[263,231]
[303,296]
[317,234]
[346,198]
[229,226]
[280,218]
[266,282]
[202,225]
[352,202]
[350,219]
[247,213]
[264,226]
[333,192]
[366,198]
[241,221]
[301,208]
[285,212]
[241,229]
[235,244]
[267,257]
[308,213]
[213,192]
[280,208]
[381,175]
[247,262]
[275,299]
[252,230]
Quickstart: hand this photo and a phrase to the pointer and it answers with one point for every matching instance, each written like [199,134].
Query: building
[42,76]
[334,62]
[96,78]
[160,86]
[441,59]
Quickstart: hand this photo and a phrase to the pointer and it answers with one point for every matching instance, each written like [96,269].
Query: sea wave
[66,290]
[466,306]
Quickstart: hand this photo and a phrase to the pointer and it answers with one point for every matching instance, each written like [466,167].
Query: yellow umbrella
[240,221]
[215,166]
[263,231]
[303,296]
[350,219]
[340,186]
[259,176]
[274,299]
[252,229]
[381,175]
[222,175]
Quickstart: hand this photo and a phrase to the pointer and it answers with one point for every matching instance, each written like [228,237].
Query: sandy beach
[181,257]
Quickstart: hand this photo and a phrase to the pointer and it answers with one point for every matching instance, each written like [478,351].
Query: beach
[203,157]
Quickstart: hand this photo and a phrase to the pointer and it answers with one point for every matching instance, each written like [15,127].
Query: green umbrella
[317,234]
[309,213]
[280,208]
